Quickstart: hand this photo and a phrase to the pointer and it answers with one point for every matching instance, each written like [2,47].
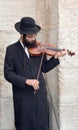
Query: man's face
[29,40]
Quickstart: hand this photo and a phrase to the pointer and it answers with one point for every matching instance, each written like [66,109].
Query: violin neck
[57,49]
[54,49]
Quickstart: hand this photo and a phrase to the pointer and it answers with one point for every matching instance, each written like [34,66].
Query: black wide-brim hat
[27,25]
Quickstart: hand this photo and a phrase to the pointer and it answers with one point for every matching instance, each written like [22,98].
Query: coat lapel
[22,55]
[21,51]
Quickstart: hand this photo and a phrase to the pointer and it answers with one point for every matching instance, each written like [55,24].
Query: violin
[48,49]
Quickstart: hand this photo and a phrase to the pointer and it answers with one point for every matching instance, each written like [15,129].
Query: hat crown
[27,22]
[27,25]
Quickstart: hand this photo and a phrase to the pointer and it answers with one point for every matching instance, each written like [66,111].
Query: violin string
[54,49]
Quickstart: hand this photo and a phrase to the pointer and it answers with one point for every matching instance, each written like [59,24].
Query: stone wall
[58,19]
[68,70]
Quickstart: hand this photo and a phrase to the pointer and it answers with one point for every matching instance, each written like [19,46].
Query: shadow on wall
[51,20]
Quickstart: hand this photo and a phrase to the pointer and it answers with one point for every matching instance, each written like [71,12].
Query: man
[21,69]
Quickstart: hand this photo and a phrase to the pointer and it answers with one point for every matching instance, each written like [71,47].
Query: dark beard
[28,44]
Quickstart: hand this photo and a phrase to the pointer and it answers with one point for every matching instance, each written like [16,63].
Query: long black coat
[31,110]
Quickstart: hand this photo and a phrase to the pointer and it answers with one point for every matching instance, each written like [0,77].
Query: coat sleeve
[9,70]
[47,65]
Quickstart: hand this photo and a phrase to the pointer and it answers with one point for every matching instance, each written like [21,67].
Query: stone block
[68,14]
[69,117]
[6,114]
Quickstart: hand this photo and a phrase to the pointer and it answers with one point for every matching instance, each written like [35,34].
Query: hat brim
[32,30]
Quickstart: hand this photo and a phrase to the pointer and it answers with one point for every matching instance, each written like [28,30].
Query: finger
[36,87]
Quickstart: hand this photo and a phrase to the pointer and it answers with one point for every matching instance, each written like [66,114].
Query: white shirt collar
[26,49]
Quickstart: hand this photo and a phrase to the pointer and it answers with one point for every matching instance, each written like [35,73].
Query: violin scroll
[70,53]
